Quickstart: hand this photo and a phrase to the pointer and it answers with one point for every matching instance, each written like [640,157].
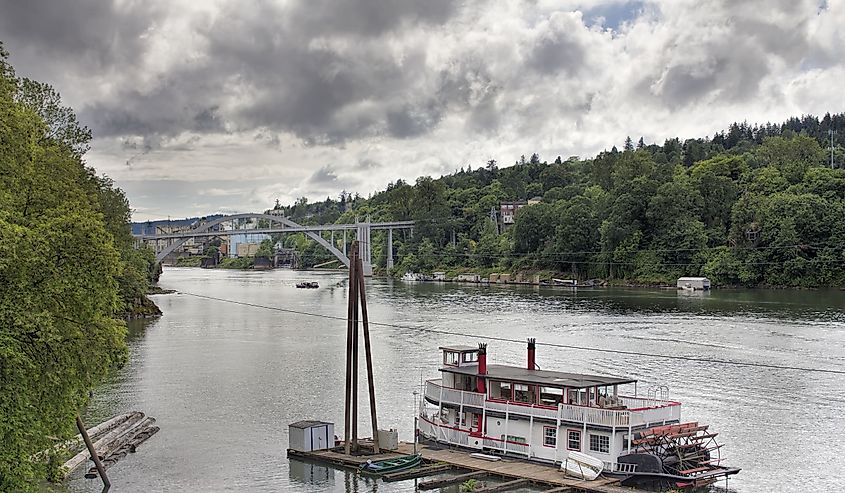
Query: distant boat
[573,283]
[391,465]
[308,285]
[414,276]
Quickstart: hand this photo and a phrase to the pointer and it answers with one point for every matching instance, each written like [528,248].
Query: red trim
[544,436]
[524,404]
[580,439]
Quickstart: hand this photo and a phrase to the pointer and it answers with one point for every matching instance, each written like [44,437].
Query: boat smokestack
[532,354]
[482,368]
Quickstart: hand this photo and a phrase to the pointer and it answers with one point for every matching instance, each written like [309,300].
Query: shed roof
[459,348]
[693,279]
[541,377]
[308,423]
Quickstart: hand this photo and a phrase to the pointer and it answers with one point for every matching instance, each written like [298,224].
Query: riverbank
[142,307]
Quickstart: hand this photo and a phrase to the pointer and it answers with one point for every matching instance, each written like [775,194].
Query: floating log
[76,443]
[82,457]
[125,444]
[509,485]
[415,473]
[126,437]
[440,483]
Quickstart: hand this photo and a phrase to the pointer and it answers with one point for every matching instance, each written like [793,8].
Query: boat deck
[506,468]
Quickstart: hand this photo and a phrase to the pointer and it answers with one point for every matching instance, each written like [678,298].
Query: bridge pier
[366,250]
[389,248]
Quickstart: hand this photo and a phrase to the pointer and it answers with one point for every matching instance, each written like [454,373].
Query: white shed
[693,283]
[309,435]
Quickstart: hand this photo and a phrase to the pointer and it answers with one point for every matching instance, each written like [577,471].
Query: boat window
[523,393]
[549,436]
[500,390]
[573,440]
[551,396]
[578,397]
[470,357]
[451,358]
[514,439]
[600,443]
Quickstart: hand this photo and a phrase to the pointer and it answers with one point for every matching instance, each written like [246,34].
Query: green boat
[391,465]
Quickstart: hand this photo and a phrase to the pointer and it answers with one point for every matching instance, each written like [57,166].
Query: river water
[224,380]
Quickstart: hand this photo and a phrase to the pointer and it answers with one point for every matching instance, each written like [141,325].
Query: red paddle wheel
[686,449]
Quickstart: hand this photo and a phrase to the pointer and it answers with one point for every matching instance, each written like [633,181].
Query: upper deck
[632,412]
[469,382]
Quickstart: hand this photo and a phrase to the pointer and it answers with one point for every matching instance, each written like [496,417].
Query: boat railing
[647,412]
[431,427]
[637,403]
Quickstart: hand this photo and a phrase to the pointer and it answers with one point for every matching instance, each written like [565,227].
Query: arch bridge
[166,243]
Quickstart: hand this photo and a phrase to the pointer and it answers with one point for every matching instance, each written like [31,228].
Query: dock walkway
[511,469]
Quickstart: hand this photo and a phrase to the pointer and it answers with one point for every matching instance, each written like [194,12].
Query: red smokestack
[532,359]
[482,368]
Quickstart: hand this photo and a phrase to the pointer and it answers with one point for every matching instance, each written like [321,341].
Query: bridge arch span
[205,227]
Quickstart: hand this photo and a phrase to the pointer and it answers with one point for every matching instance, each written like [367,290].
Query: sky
[226,106]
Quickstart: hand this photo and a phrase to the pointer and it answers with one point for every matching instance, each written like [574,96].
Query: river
[224,380]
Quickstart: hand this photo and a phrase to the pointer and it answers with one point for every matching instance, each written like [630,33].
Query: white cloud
[274,95]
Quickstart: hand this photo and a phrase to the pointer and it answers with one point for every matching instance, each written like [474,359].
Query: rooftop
[308,423]
[459,348]
[540,377]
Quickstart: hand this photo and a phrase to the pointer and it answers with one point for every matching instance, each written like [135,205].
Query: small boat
[582,466]
[391,465]
[308,285]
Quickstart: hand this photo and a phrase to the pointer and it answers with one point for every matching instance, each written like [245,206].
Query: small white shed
[693,283]
[309,435]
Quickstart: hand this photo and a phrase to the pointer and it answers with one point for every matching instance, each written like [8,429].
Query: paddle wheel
[687,450]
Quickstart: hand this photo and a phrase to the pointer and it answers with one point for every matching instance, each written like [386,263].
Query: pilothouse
[570,419]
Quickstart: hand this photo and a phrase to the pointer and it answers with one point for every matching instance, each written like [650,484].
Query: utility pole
[357,293]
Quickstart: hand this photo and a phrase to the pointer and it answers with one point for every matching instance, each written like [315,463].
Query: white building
[693,283]
[309,435]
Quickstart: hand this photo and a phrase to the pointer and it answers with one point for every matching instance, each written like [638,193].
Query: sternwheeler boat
[570,420]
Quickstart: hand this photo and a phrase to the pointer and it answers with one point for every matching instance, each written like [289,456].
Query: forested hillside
[751,206]
[69,275]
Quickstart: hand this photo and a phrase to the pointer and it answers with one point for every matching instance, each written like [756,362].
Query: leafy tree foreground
[69,275]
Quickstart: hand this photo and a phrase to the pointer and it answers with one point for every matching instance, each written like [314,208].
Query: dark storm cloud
[323,176]
[304,72]
[408,121]
[368,17]
[557,54]
[92,33]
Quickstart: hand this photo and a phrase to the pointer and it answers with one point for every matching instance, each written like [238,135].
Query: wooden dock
[509,469]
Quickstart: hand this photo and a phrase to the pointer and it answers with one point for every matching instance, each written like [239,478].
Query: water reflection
[311,474]
[224,380]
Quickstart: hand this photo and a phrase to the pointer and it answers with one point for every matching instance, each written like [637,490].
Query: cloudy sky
[207,106]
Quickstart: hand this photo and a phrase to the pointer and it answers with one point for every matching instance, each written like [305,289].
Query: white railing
[640,412]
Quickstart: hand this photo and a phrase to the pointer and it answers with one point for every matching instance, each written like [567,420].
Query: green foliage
[470,485]
[753,206]
[189,262]
[237,263]
[67,269]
